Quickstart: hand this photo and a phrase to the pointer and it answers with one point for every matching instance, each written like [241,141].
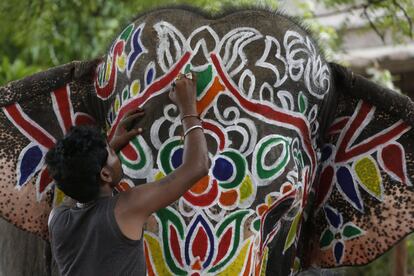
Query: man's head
[82,164]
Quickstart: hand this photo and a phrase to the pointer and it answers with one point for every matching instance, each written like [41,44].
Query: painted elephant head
[311,164]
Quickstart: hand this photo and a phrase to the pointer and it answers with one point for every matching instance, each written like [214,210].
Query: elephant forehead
[260,59]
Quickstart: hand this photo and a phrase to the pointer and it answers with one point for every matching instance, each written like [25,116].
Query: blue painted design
[29,163]
[194,226]
[334,218]
[177,158]
[338,251]
[326,153]
[136,49]
[347,186]
[150,75]
[223,169]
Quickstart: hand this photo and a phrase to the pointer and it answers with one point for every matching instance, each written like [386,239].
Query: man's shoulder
[55,212]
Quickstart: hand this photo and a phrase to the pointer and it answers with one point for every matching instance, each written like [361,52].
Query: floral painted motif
[335,235]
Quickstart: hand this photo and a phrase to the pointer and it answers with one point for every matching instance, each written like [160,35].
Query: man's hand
[124,131]
[184,94]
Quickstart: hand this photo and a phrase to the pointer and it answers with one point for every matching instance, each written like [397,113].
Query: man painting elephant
[311,164]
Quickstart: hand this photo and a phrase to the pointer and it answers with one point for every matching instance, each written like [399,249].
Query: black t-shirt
[88,241]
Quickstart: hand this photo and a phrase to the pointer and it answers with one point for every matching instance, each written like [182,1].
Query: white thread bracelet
[191,129]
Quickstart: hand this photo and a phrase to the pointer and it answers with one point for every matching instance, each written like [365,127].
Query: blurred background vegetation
[38,34]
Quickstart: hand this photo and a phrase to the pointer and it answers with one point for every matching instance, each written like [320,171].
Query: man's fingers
[134,132]
[132,111]
[128,119]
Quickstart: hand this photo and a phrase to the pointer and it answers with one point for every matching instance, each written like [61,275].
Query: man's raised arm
[135,205]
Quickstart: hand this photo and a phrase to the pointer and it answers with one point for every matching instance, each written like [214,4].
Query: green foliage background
[38,34]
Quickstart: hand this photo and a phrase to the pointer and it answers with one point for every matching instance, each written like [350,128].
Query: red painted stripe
[84,119]
[217,131]
[204,199]
[397,130]
[268,112]
[62,96]
[224,245]
[154,87]
[362,112]
[130,153]
[338,126]
[106,91]
[28,127]
[44,180]
[150,270]
[249,262]
[175,245]
[356,122]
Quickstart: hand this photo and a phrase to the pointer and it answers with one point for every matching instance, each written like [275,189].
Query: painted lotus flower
[205,250]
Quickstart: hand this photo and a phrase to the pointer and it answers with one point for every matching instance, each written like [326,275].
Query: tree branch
[371,23]
[346,10]
[349,9]
[409,21]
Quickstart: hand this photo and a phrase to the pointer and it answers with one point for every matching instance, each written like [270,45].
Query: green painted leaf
[169,216]
[141,153]
[165,155]
[127,32]
[326,238]
[303,102]
[234,220]
[203,79]
[256,225]
[125,94]
[351,231]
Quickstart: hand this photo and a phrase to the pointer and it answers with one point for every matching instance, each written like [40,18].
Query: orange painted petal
[201,186]
[196,265]
[228,198]
[122,187]
[249,262]
[150,270]
[262,208]
[212,92]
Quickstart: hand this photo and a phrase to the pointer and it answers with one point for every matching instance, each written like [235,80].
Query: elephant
[312,165]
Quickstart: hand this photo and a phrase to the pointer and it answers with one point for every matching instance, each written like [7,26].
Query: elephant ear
[364,199]
[35,112]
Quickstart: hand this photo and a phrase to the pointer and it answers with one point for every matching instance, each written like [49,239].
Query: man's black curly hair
[75,162]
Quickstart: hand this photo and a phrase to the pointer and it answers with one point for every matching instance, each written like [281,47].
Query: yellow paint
[121,62]
[59,196]
[264,262]
[237,266]
[159,175]
[108,70]
[368,175]
[269,200]
[246,189]
[296,265]
[157,257]
[290,239]
[135,88]
[117,104]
